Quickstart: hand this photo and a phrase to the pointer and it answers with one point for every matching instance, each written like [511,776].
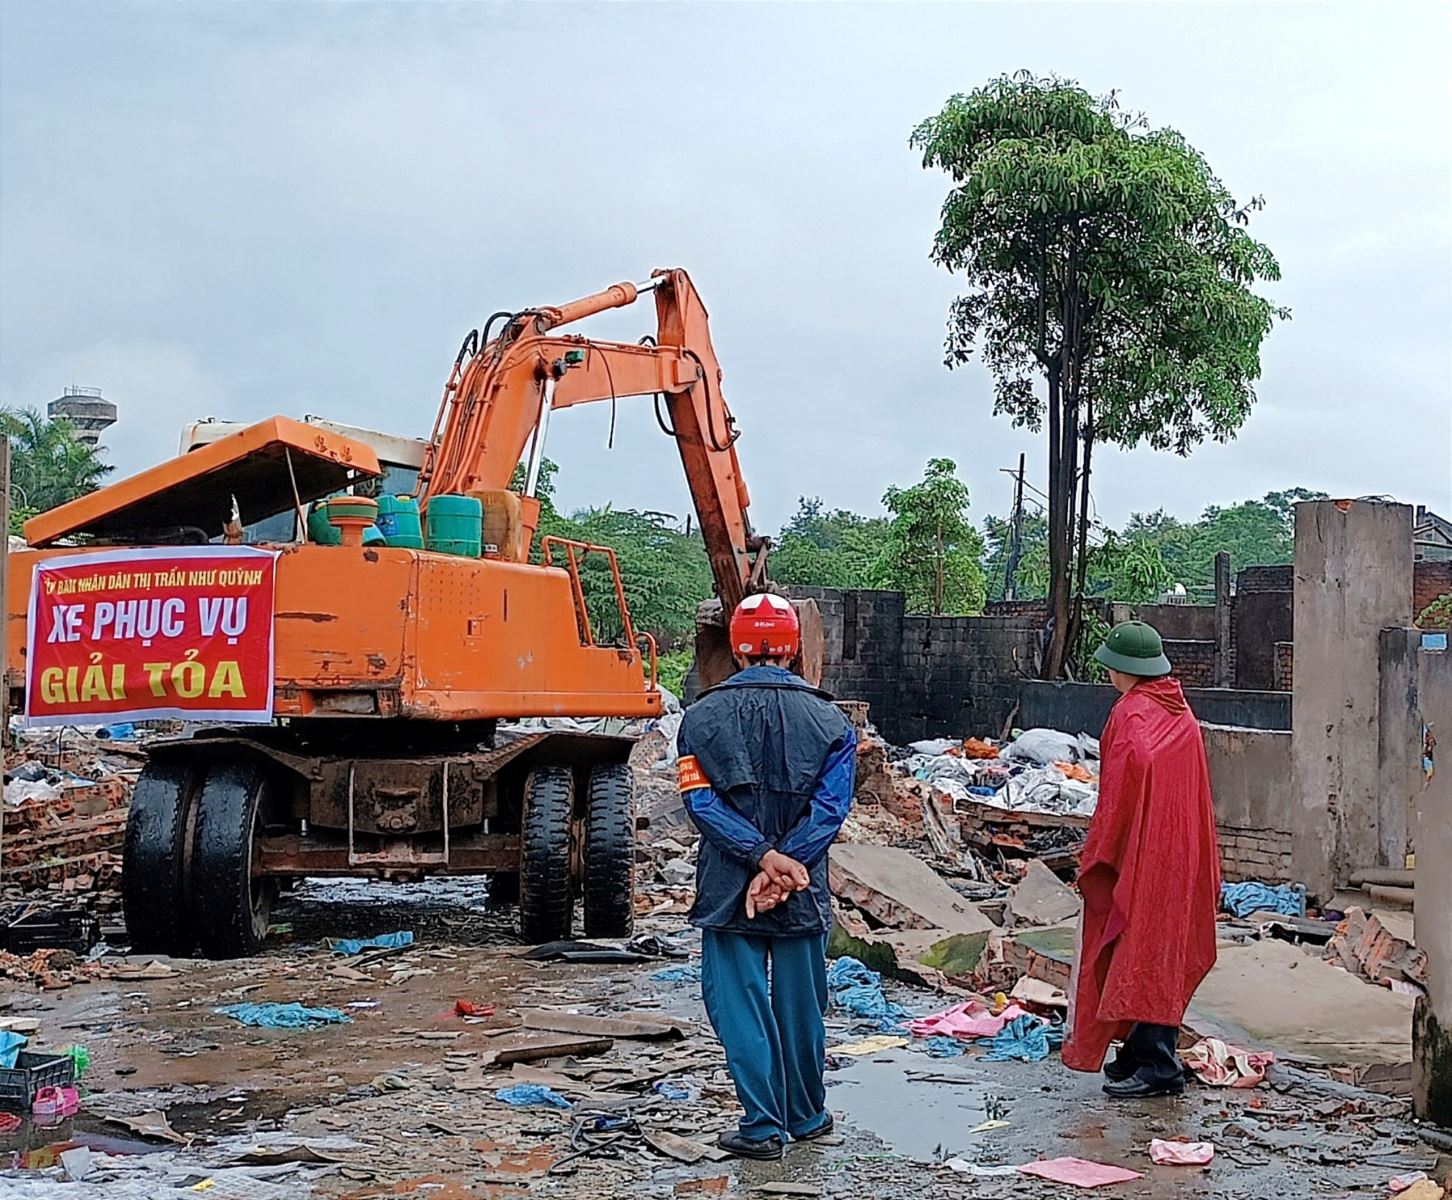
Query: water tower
[85,408]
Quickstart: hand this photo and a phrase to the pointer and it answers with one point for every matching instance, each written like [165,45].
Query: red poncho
[1150,876]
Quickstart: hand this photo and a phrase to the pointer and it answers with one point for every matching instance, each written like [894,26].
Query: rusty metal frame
[585,549]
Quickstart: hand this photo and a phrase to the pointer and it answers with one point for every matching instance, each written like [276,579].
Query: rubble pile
[64,813]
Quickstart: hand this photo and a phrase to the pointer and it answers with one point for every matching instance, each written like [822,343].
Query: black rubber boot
[767,1150]
[820,1131]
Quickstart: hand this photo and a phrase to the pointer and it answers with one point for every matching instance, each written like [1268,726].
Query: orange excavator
[379,755]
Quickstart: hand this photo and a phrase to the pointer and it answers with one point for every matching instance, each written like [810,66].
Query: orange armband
[688,770]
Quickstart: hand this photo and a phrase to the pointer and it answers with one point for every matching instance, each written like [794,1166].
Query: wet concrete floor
[902,1115]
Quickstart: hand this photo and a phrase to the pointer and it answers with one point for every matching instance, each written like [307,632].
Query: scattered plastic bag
[283,1016]
[531,1095]
[1221,1065]
[1242,899]
[1180,1154]
[1045,746]
[858,990]
[683,974]
[1024,1039]
[10,1046]
[384,941]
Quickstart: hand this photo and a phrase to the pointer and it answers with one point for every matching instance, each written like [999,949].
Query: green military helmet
[1134,648]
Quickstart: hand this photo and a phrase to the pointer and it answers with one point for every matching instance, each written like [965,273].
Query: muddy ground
[404,1109]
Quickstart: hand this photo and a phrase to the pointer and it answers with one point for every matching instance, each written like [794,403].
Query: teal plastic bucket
[399,522]
[454,525]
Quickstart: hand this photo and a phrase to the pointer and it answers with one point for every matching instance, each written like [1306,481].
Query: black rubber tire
[546,895]
[153,861]
[230,907]
[610,852]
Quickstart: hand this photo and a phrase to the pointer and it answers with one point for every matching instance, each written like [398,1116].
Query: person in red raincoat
[1150,878]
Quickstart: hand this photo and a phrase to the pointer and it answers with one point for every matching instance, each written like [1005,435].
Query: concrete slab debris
[1040,899]
[900,891]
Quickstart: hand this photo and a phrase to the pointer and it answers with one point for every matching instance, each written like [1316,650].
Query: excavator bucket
[714,661]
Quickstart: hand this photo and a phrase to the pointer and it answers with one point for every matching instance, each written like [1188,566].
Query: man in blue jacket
[767,770]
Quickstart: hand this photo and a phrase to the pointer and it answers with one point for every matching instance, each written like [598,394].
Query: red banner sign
[136,635]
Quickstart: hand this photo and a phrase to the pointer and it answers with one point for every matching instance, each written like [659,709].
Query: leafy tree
[1106,259]
[828,549]
[932,553]
[1129,569]
[49,465]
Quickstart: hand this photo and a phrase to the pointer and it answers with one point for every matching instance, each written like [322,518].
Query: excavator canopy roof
[258,465]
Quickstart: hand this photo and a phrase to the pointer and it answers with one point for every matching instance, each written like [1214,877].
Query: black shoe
[1135,1088]
[1119,1070]
[766,1150]
[820,1131]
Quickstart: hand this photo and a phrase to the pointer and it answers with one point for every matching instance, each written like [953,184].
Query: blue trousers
[766,998]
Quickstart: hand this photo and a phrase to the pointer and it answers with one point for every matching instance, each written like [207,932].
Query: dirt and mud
[400,1100]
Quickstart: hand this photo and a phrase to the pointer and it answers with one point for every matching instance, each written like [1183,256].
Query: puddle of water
[35,1145]
[920,1120]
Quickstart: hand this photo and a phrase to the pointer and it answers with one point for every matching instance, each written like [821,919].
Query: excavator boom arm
[500,395]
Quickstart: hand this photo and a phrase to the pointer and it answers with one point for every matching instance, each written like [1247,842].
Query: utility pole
[1015,545]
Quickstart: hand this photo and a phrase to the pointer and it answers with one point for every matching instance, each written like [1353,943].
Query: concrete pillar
[1432,823]
[1353,578]
[1223,665]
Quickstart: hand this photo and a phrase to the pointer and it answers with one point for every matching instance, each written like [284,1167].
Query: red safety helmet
[765,626]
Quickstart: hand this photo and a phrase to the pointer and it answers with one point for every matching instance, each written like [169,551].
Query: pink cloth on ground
[1222,1065]
[1079,1171]
[971,1020]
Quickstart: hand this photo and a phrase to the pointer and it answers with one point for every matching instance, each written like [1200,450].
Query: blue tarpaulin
[283,1016]
[384,941]
[10,1046]
[687,974]
[531,1095]
[1242,899]
[1027,1039]
[859,991]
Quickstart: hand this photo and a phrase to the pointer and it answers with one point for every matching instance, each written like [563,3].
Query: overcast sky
[243,209]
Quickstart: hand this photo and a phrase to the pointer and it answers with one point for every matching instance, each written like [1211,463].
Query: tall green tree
[49,465]
[1105,259]
[828,549]
[933,552]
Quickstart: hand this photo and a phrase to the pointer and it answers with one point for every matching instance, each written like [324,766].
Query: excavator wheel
[154,860]
[546,898]
[610,852]
[231,905]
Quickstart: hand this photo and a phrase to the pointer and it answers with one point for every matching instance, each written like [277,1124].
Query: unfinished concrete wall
[1250,778]
[923,676]
[1181,622]
[1084,707]
[1399,742]
[1258,620]
[1353,578]
[1431,671]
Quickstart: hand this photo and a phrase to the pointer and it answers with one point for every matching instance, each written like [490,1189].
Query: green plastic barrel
[398,520]
[319,530]
[454,525]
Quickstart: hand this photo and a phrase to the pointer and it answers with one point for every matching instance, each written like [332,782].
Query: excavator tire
[610,852]
[546,899]
[231,906]
[154,860]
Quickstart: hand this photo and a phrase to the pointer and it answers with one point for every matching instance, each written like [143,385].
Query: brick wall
[1258,620]
[1265,579]
[1260,854]
[1285,666]
[923,676]
[1429,580]
[1028,611]
[1194,661]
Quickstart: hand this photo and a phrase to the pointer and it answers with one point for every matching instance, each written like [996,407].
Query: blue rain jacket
[777,763]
